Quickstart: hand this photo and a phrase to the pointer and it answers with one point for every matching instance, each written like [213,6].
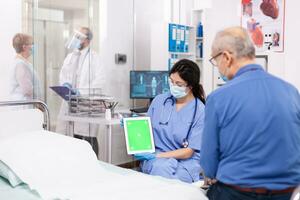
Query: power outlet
[120,58]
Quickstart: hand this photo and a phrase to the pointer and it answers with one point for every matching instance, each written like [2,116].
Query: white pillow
[9,175]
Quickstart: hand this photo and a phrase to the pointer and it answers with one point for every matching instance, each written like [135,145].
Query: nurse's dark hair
[190,73]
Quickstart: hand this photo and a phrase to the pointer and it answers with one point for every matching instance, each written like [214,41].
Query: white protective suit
[82,70]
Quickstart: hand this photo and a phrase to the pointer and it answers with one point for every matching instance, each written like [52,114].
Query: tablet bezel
[130,152]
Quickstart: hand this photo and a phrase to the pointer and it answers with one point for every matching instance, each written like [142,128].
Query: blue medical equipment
[185,142]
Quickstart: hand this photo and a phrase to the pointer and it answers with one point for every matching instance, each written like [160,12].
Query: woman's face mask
[177,91]
[32,50]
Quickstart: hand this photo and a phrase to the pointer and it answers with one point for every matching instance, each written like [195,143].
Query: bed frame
[37,104]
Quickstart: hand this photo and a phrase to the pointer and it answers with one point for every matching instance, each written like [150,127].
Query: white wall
[291,57]
[116,36]
[147,12]
[10,21]
[284,65]
[216,17]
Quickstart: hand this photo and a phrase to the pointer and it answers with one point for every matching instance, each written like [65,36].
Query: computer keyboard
[139,110]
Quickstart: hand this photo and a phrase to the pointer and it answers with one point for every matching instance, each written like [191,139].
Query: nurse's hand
[144,156]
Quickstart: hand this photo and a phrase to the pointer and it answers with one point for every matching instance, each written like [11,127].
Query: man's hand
[209,181]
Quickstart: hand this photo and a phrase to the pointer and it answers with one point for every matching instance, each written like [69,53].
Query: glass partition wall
[52,23]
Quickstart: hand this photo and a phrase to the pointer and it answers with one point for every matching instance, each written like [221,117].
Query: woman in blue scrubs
[177,120]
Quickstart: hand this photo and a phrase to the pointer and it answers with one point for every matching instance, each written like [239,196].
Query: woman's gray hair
[19,40]
[236,40]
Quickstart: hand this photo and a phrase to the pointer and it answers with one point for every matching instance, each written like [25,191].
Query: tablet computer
[138,135]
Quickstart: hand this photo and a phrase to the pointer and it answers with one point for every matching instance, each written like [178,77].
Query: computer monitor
[148,84]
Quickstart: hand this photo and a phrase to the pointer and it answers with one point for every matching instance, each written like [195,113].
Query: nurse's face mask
[177,88]
[75,42]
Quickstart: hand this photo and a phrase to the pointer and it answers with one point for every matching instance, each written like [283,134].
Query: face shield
[75,41]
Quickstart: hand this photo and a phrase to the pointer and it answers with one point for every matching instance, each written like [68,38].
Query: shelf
[199,59]
[182,53]
[170,50]
[199,38]
[197,9]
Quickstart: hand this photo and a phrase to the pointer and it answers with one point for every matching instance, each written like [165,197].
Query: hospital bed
[46,165]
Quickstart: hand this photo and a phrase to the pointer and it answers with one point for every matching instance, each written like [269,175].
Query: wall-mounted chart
[264,20]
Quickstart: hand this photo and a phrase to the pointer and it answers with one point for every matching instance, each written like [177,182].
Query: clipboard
[63,91]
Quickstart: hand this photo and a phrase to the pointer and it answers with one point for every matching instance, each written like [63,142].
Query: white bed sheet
[58,166]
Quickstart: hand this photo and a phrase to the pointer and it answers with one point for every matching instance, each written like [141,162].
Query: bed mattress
[22,192]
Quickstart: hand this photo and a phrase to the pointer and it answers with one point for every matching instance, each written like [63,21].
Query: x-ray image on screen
[148,84]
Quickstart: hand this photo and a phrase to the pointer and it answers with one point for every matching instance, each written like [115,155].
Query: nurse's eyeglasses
[179,84]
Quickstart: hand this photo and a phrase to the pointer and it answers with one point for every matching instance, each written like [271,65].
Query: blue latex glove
[73,90]
[122,121]
[68,85]
[144,156]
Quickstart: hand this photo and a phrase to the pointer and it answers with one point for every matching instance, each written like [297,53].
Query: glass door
[52,23]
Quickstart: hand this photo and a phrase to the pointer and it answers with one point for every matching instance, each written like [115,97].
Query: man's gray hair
[236,40]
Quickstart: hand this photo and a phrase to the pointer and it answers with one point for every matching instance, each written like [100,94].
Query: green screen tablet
[138,135]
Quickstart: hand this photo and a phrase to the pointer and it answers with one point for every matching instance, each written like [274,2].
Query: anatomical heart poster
[264,20]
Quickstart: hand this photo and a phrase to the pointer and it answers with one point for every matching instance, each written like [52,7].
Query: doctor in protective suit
[81,69]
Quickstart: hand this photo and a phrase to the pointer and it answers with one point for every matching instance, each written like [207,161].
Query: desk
[100,120]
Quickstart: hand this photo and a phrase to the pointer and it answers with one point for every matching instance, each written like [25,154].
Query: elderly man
[251,140]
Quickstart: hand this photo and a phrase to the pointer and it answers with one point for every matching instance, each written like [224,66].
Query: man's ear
[228,58]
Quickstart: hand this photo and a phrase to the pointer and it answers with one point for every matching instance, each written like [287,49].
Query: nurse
[177,119]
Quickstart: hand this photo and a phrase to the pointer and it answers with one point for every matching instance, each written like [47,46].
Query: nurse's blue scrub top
[170,127]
